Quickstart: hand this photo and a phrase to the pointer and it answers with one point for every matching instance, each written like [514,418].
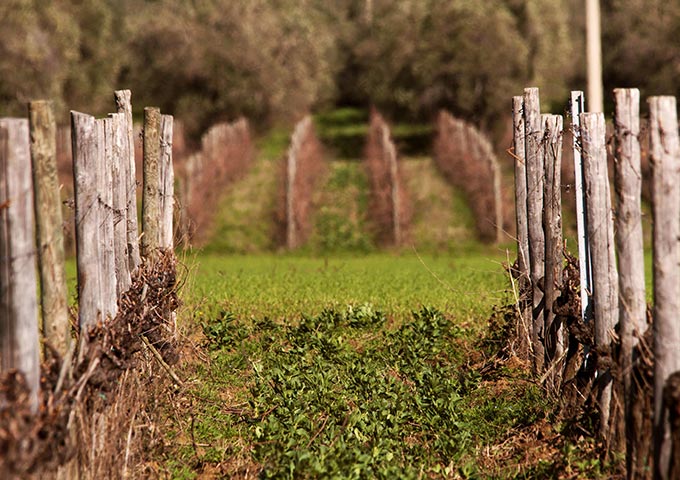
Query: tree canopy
[273,60]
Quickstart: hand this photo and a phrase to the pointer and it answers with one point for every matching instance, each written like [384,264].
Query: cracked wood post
[601,237]
[19,343]
[665,159]
[535,178]
[151,201]
[167,184]
[56,326]
[119,199]
[552,224]
[107,255]
[524,307]
[629,243]
[124,105]
[86,145]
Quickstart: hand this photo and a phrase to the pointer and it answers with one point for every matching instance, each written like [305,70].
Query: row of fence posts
[611,262]
[384,177]
[107,233]
[465,157]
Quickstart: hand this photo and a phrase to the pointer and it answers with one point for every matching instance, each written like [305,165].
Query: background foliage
[272,60]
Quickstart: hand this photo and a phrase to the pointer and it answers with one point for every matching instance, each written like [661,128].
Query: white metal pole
[577,107]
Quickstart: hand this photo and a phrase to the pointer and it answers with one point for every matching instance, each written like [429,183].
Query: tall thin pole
[594,56]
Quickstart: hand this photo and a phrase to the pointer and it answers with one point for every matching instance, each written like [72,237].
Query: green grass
[288,286]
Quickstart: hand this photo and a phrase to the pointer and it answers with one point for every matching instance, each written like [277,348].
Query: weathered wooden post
[552,224]
[19,344]
[524,306]
[107,255]
[49,229]
[151,201]
[291,174]
[119,194]
[629,243]
[601,236]
[665,157]
[520,186]
[86,152]
[124,106]
[390,157]
[167,183]
[535,178]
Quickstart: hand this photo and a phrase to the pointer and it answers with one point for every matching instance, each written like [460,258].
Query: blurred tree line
[272,60]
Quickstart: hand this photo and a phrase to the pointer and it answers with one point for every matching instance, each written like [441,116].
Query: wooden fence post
[535,179]
[601,235]
[390,157]
[291,174]
[524,304]
[520,186]
[629,243]
[107,256]
[119,194]
[577,107]
[665,156]
[167,184]
[124,105]
[552,224]
[151,202]
[19,344]
[49,229]
[85,148]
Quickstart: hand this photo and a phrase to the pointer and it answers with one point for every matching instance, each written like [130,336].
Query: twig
[83,381]
[318,432]
[162,362]
[127,445]
[67,363]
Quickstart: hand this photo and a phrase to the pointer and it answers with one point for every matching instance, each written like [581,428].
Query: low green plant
[344,394]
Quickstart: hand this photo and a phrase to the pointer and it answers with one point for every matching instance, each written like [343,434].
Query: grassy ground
[286,287]
[375,366]
[340,361]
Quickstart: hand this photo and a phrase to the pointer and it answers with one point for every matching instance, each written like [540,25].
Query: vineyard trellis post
[552,222]
[665,156]
[629,243]
[107,266]
[85,150]
[119,199]
[49,228]
[521,220]
[19,342]
[535,178]
[601,238]
[124,106]
[577,107]
[291,175]
[390,157]
[151,197]
[167,178]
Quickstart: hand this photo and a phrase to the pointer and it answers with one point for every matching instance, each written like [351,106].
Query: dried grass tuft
[95,416]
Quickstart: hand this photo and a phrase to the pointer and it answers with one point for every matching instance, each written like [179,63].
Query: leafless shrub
[466,159]
[389,208]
